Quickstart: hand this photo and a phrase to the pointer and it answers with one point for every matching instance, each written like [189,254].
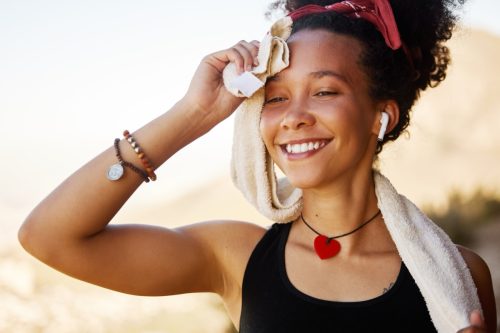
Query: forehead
[321,50]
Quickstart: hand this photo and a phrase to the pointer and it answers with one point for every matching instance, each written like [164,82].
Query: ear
[392,109]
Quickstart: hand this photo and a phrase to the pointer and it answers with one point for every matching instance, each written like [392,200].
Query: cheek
[269,126]
[269,123]
[338,118]
[349,118]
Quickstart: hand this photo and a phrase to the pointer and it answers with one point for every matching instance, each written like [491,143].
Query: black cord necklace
[327,247]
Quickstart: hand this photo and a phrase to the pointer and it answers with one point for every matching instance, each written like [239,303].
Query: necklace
[327,247]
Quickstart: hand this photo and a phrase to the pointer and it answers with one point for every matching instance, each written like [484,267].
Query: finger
[477,324]
[253,47]
[256,43]
[476,319]
[243,55]
[472,329]
[245,52]
[220,59]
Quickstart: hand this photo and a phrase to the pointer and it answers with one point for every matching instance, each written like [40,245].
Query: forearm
[85,202]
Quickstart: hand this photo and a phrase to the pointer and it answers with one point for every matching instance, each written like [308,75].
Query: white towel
[431,257]
[252,169]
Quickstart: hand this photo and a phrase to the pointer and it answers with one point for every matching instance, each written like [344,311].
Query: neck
[342,206]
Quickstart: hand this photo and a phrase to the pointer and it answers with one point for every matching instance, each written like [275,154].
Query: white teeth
[304,147]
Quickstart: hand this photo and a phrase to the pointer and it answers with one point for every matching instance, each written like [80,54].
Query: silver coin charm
[115,172]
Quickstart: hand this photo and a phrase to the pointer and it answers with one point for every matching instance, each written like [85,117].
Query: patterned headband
[377,12]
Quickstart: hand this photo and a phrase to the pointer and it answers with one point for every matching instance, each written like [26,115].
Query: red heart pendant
[326,248]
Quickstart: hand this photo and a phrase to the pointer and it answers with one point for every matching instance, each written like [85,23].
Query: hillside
[454,137]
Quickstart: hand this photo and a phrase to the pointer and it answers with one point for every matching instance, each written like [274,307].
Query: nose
[297,116]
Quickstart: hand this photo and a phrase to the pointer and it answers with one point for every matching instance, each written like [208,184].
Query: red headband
[377,12]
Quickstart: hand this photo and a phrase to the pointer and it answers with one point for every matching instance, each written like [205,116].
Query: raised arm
[69,229]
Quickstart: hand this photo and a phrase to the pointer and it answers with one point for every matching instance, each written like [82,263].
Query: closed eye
[326,93]
[275,100]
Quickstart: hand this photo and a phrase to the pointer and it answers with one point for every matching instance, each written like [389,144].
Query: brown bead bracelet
[115,172]
[142,156]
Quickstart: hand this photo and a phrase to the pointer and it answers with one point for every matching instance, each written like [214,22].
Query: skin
[323,97]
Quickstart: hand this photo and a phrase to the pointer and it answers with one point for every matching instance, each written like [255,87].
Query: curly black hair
[424,26]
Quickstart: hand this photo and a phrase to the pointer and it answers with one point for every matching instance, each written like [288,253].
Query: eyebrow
[317,75]
[322,73]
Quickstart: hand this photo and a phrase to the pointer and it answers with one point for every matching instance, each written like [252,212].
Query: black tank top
[271,304]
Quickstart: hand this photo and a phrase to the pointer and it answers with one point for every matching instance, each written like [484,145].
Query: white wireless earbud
[384,120]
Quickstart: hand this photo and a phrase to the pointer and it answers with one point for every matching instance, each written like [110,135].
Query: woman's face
[319,121]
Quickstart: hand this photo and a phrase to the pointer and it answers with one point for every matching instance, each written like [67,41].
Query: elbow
[26,234]
[32,239]
[23,235]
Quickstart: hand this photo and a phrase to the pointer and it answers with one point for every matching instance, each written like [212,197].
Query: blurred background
[75,74]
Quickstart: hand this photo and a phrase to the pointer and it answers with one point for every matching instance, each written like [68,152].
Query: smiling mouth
[304,147]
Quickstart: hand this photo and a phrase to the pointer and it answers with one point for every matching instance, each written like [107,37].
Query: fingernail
[249,68]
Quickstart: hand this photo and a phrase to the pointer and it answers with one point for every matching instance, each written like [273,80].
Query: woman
[352,76]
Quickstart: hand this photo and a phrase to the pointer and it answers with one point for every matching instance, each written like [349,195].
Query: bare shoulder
[231,243]
[228,232]
[482,279]
[476,264]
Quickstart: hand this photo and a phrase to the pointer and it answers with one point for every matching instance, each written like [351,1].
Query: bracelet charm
[115,172]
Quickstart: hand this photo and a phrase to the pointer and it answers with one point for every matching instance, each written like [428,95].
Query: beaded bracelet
[142,156]
[116,171]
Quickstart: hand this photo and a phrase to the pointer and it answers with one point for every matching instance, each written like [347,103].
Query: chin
[304,181]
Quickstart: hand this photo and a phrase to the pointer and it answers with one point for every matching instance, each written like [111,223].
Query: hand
[207,93]
[477,324]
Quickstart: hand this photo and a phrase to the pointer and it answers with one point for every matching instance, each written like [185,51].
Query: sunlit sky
[75,74]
